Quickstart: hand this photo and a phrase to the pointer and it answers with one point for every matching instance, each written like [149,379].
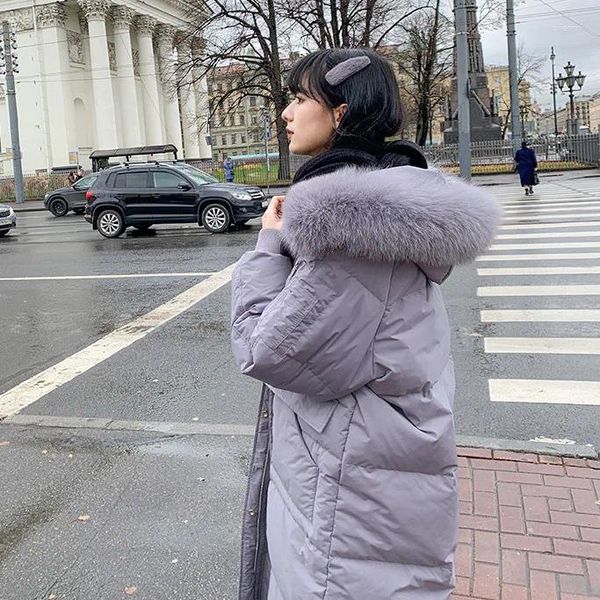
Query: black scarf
[392,154]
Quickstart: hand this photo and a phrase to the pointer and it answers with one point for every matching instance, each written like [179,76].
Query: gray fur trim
[398,214]
[345,69]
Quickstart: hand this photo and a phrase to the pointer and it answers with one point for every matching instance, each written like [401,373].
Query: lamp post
[569,81]
[553,90]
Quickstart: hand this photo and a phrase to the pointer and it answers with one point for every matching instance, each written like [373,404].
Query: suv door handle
[156,196]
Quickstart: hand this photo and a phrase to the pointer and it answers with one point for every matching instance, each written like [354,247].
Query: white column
[145,29]
[129,117]
[202,106]
[104,106]
[51,19]
[189,118]
[166,36]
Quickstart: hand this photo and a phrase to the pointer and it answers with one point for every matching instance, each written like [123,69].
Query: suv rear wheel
[59,207]
[215,218]
[110,223]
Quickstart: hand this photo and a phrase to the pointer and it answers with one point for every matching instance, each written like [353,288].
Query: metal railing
[566,152]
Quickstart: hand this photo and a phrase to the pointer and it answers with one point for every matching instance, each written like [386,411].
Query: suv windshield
[197,175]
[85,182]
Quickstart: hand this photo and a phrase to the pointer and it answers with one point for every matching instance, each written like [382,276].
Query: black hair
[374,107]
[523,144]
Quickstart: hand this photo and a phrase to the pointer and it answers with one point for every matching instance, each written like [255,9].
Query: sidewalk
[529,527]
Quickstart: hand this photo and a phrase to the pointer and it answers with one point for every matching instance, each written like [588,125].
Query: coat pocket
[315,413]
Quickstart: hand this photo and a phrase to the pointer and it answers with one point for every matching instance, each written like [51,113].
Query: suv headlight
[241,195]
[11,212]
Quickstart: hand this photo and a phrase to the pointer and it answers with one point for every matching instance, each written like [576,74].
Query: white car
[8,219]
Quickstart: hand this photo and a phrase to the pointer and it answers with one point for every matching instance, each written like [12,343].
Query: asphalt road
[128,479]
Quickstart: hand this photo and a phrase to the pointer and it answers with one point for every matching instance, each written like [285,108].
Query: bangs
[307,77]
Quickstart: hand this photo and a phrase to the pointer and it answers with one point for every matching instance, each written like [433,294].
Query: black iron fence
[565,152]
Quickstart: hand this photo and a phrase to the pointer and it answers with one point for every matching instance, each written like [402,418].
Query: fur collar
[398,214]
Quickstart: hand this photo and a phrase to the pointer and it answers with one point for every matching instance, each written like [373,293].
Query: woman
[352,491]
[526,163]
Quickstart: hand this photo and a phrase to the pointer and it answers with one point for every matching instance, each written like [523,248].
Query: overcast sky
[571,26]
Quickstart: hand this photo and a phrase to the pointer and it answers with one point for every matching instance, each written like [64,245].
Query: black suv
[141,195]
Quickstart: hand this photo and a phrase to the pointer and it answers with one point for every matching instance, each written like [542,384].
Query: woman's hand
[272,218]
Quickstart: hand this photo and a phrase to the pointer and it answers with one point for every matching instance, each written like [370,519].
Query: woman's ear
[338,113]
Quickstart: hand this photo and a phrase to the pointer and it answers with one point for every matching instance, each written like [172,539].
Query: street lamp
[569,81]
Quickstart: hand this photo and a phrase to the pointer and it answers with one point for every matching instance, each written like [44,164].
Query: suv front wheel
[215,218]
[110,223]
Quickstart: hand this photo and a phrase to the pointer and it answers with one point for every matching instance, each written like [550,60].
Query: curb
[522,446]
[28,209]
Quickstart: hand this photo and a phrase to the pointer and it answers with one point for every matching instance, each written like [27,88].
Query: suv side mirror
[185,187]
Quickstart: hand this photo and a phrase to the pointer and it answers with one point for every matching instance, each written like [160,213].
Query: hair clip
[346,69]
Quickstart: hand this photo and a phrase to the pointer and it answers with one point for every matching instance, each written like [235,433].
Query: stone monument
[485,123]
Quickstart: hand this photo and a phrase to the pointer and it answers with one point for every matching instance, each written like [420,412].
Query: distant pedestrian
[72,178]
[228,168]
[526,164]
[339,312]
[80,174]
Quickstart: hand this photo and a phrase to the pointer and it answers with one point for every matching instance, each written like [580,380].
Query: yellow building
[499,85]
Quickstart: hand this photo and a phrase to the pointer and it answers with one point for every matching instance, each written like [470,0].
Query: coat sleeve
[314,335]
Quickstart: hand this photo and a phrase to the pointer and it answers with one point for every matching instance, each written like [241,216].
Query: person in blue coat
[228,168]
[526,164]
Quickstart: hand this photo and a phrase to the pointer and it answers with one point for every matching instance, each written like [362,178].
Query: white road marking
[528,226]
[533,204]
[508,272]
[170,427]
[116,276]
[538,290]
[540,256]
[545,246]
[48,380]
[592,206]
[544,391]
[552,234]
[544,217]
[541,345]
[541,316]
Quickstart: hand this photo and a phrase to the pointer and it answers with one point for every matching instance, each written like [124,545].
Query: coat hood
[392,215]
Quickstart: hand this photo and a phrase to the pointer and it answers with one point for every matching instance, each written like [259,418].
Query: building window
[252,100]
[224,140]
[242,119]
[232,120]
[234,138]
[243,138]
[254,119]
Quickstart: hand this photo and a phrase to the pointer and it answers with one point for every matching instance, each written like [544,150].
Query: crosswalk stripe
[545,391]
[550,203]
[540,345]
[544,246]
[552,234]
[540,256]
[527,226]
[592,206]
[538,290]
[593,215]
[540,316]
[509,272]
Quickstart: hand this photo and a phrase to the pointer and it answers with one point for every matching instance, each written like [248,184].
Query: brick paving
[529,527]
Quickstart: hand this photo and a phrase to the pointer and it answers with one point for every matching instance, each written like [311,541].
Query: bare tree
[424,62]
[529,68]
[246,36]
[349,23]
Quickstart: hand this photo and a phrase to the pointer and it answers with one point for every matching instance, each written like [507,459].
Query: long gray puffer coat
[353,477]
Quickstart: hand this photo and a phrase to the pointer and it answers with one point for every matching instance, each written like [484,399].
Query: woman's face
[310,125]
